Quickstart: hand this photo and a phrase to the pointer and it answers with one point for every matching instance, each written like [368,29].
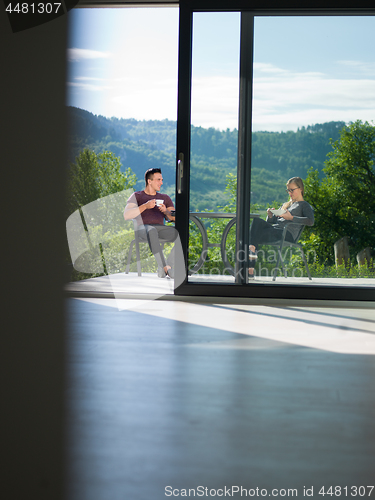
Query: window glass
[214,142]
[314,84]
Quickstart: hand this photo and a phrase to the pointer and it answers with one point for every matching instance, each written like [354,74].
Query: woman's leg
[261,231]
[257,228]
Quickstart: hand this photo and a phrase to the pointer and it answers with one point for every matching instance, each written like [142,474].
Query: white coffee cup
[159,202]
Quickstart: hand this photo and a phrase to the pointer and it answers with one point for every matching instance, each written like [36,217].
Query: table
[196,218]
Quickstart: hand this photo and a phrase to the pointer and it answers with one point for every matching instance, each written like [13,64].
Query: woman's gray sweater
[303,214]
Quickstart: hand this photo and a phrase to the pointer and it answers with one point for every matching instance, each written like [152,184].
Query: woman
[297,210]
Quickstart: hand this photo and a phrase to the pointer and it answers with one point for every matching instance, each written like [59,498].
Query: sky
[123,62]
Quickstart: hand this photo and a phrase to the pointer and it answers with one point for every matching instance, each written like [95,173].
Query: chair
[137,240]
[285,243]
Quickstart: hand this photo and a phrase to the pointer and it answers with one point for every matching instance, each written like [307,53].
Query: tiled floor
[167,396]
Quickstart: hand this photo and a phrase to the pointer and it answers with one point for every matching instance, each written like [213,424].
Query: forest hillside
[276,156]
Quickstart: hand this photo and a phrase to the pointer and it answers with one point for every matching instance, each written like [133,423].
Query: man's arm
[167,212]
[132,210]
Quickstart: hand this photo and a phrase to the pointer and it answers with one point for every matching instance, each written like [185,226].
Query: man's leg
[169,234]
[151,234]
[175,260]
[176,257]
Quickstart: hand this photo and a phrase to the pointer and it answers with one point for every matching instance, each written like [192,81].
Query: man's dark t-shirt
[152,215]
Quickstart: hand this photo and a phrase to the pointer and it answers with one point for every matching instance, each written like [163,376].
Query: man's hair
[149,174]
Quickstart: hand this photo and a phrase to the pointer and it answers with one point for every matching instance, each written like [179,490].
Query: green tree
[344,199]
[94,176]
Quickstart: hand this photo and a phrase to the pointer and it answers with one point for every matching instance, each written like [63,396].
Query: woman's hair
[299,183]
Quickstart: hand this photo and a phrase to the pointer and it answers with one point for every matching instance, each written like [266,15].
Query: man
[150,209]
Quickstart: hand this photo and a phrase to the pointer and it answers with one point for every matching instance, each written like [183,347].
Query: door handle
[180,172]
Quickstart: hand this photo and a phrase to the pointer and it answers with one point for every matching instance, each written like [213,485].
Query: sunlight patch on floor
[336,330]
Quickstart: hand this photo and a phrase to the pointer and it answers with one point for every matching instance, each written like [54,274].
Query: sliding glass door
[263,98]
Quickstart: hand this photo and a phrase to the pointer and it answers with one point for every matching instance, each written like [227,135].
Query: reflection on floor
[122,284]
[170,395]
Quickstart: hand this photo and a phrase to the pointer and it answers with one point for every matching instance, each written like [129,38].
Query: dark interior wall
[33,153]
